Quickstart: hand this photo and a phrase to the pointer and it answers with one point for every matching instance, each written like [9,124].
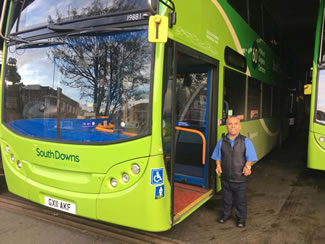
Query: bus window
[275,101]
[266,100]
[254,98]
[191,103]
[233,94]
[320,106]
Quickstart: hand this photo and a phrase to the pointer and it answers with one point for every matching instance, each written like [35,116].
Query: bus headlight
[12,157]
[113,182]
[125,177]
[135,169]
[18,164]
[121,176]
[7,149]
[321,139]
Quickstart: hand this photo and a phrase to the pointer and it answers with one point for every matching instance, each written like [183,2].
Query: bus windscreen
[84,88]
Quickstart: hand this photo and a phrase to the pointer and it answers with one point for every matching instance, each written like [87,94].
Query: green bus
[100,122]
[316,134]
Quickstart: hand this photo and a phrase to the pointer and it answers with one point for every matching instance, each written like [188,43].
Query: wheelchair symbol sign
[157,176]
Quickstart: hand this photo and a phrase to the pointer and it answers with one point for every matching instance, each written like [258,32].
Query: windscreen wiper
[104,29]
[17,39]
[39,44]
[55,27]
[84,30]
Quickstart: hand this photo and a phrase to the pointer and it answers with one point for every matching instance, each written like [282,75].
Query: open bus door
[194,116]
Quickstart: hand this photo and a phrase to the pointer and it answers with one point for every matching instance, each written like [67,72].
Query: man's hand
[218,170]
[246,171]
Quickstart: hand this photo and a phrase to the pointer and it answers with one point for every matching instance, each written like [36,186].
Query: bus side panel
[139,206]
[316,152]
[264,133]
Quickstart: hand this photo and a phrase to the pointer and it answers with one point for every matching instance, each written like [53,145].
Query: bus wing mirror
[153,6]
[158,29]
[307,89]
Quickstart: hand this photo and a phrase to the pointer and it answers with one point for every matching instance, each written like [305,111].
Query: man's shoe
[222,220]
[241,224]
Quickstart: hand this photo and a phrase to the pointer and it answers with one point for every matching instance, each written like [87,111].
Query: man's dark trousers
[234,195]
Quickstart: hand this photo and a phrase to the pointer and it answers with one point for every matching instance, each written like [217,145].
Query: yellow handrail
[199,133]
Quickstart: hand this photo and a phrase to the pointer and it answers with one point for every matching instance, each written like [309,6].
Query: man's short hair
[235,116]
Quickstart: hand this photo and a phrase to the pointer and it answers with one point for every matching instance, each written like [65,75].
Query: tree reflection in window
[108,69]
[67,10]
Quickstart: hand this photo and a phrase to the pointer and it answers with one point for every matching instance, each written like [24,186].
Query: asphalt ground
[286,204]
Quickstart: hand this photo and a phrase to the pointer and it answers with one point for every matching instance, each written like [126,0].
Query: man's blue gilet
[233,159]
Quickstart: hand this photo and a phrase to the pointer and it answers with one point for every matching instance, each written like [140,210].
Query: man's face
[233,126]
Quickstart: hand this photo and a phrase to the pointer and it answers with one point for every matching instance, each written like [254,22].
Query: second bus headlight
[7,149]
[135,169]
[125,177]
[113,182]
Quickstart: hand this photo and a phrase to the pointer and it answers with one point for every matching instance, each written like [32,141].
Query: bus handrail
[200,134]
[4,6]
[110,129]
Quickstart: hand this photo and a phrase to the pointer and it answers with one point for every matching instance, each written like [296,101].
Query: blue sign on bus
[157,176]
[160,192]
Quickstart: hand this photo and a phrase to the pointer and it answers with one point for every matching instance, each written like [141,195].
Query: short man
[234,155]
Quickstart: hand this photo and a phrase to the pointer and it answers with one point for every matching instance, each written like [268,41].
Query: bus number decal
[254,54]
[132,17]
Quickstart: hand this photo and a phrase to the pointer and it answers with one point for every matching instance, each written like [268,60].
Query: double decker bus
[316,133]
[99,122]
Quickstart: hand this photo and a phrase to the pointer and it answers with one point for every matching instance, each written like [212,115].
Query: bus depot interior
[188,103]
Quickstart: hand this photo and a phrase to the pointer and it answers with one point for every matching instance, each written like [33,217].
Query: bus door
[191,129]
[194,137]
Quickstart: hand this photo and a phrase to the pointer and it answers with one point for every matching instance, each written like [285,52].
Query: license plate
[60,205]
